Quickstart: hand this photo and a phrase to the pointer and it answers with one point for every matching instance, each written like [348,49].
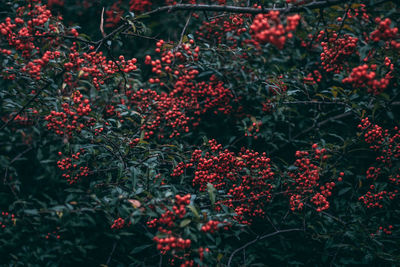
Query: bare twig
[25,106]
[319,124]
[313,103]
[112,252]
[140,36]
[258,238]
[328,214]
[49,35]
[118,66]
[238,9]
[218,8]
[343,22]
[20,155]
[184,29]
[102,24]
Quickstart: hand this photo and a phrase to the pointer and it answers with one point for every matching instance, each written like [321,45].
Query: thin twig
[184,29]
[20,155]
[313,103]
[27,104]
[112,252]
[102,24]
[319,124]
[140,36]
[118,66]
[49,35]
[343,22]
[258,238]
[328,214]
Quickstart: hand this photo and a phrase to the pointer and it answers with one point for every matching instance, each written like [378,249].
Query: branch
[329,215]
[228,9]
[26,105]
[319,124]
[313,103]
[48,83]
[118,66]
[316,126]
[218,8]
[20,155]
[258,238]
[184,30]
[247,10]
[50,35]
[102,24]
[112,252]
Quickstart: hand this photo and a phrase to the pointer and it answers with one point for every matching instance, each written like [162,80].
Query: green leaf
[185,222]
[344,191]
[195,212]
[140,248]
[31,212]
[211,193]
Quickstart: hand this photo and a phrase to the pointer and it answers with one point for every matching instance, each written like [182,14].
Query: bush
[225,133]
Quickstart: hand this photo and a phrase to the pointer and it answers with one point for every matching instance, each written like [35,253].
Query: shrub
[225,133]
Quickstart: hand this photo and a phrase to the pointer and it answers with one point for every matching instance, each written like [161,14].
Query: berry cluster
[118,223]
[337,51]
[373,133]
[359,12]
[364,76]
[20,33]
[387,145]
[34,67]
[385,32]
[114,14]
[73,118]
[373,173]
[381,229]
[395,178]
[27,118]
[139,5]
[382,140]
[253,129]
[24,34]
[376,200]
[313,39]
[53,234]
[276,86]
[6,219]
[216,30]
[211,226]
[267,106]
[168,243]
[267,28]
[306,182]
[201,252]
[70,166]
[313,78]
[94,66]
[51,3]
[170,114]
[246,178]
[169,240]
[168,217]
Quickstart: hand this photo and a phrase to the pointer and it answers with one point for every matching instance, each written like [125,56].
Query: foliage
[225,133]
